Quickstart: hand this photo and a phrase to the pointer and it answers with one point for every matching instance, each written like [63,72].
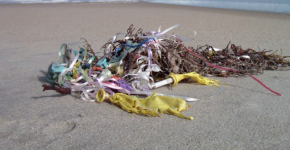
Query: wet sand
[241,116]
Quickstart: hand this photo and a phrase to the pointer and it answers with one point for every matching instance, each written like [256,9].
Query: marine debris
[141,61]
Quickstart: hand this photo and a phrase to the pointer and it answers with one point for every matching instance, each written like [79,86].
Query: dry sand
[242,116]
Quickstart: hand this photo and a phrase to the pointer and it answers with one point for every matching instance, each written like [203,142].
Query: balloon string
[265,85]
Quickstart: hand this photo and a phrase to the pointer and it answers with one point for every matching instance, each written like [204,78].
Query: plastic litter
[149,106]
[142,61]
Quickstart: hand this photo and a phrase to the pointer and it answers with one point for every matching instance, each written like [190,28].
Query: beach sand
[242,115]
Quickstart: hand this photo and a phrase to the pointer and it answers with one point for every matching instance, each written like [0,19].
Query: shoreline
[150,3]
[205,5]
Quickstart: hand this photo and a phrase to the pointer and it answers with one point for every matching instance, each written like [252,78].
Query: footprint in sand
[59,128]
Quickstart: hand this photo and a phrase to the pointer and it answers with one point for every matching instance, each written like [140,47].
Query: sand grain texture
[242,116]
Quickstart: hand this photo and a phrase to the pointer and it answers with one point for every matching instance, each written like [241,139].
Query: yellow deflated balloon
[150,106]
[194,76]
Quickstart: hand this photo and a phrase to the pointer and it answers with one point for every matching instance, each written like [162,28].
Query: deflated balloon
[150,106]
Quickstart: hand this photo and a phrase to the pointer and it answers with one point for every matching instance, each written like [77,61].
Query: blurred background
[278,6]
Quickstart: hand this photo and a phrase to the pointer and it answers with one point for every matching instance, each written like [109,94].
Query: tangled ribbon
[142,61]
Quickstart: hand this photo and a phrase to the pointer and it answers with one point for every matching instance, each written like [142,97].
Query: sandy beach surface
[243,115]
